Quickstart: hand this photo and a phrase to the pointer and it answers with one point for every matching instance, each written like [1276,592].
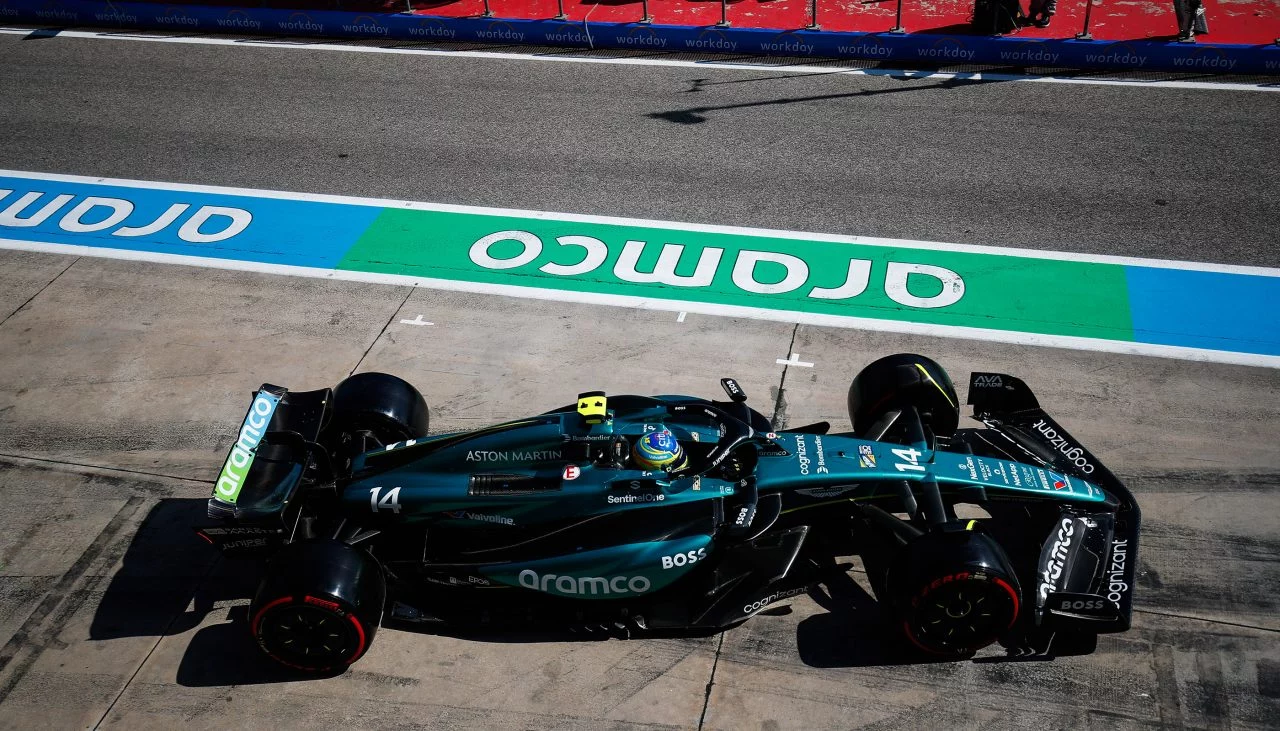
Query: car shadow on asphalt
[170,582]
[855,631]
[162,586]
[223,654]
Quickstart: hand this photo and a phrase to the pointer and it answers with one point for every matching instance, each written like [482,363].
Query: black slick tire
[898,381]
[318,606]
[954,592]
[388,407]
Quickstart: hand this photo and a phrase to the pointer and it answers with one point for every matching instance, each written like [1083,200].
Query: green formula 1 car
[672,512]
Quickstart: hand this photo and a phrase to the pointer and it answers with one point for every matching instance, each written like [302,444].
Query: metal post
[560,11]
[644,8]
[1088,12]
[813,15]
[897,22]
[724,14]
[487,12]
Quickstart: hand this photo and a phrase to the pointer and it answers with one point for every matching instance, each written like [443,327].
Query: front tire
[318,607]
[899,381]
[954,592]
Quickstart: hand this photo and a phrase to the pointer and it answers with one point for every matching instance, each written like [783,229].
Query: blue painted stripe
[1227,316]
[292,232]
[1213,310]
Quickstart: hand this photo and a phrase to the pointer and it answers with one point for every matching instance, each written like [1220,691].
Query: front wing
[1088,564]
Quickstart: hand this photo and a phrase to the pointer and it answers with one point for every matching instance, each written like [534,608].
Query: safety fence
[1233,21]
[939,44]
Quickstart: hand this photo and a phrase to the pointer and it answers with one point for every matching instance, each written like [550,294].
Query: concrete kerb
[911,48]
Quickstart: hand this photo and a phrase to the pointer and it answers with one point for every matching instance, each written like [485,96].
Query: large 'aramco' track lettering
[1010,295]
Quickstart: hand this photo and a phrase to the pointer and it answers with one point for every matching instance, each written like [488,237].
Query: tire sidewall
[911,612]
[936,561]
[259,621]
[326,575]
[386,405]
[901,380]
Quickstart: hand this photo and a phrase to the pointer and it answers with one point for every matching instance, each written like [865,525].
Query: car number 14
[390,501]
[910,460]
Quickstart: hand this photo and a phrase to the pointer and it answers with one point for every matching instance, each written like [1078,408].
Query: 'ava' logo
[752,271]
[92,214]
[236,468]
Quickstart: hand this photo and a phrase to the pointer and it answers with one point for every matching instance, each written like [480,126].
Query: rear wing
[1088,579]
[274,447]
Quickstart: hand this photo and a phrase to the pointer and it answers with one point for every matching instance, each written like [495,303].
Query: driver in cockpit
[659,450]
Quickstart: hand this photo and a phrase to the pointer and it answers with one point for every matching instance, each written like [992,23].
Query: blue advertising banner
[903,48]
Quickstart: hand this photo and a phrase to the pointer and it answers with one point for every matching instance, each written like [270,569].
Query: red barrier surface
[1229,21]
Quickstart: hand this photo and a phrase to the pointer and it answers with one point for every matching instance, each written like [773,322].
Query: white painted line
[670,63]
[649,223]
[794,360]
[650,303]
[416,321]
[680,317]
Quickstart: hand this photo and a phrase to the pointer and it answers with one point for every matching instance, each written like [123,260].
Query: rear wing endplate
[276,418]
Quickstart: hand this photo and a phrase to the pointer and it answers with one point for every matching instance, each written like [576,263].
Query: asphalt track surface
[121,383]
[1145,172]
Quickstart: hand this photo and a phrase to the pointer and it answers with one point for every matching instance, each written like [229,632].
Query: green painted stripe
[1175,309]
[1013,293]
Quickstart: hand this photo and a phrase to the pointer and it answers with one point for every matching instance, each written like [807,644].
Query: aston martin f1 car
[1012,532]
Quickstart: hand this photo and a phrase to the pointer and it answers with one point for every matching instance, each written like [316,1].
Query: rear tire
[898,381]
[384,405]
[318,606]
[954,592]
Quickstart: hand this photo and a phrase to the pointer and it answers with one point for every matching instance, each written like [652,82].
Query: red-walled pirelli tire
[318,606]
[954,592]
[906,379]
